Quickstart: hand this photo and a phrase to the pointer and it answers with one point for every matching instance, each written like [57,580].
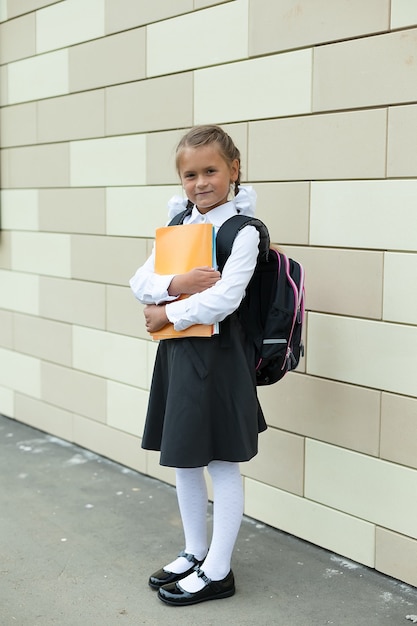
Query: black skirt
[203,404]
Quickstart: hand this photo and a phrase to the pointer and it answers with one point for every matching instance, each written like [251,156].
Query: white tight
[192,502]
[227,516]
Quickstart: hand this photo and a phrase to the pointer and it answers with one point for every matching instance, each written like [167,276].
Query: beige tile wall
[108,61]
[19,209]
[111,261]
[18,124]
[398,429]
[44,165]
[47,417]
[396,555]
[324,526]
[365,64]
[93,162]
[329,146]
[66,387]
[7,398]
[188,39]
[3,11]
[402,158]
[19,291]
[403,13]
[38,77]
[5,251]
[344,415]
[363,352]
[60,25]
[361,486]
[123,14]
[41,253]
[18,38]
[289,24]
[322,102]
[20,372]
[127,109]
[12,9]
[73,210]
[364,214]
[73,301]
[4,87]
[29,334]
[71,117]
[137,211]
[255,95]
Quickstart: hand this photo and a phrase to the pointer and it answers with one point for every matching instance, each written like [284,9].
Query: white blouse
[216,303]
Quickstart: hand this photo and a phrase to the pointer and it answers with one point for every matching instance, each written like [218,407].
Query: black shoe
[162,577]
[213,590]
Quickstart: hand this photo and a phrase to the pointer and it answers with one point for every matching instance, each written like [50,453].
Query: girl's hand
[196,280]
[155,317]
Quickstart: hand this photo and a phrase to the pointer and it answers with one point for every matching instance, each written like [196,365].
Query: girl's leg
[192,501]
[227,518]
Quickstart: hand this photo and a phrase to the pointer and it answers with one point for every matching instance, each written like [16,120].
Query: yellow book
[179,249]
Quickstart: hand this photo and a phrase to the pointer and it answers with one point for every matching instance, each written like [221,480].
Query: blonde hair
[207,134]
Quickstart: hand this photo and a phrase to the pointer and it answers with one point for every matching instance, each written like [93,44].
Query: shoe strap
[216,585]
[190,557]
[202,575]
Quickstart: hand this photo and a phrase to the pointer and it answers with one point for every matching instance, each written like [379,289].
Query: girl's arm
[194,281]
[224,297]
[151,288]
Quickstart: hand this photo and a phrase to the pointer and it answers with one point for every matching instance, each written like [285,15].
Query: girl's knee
[217,468]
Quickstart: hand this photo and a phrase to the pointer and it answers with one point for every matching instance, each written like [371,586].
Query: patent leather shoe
[162,577]
[213,590]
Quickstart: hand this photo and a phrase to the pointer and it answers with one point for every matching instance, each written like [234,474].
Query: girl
[203,409]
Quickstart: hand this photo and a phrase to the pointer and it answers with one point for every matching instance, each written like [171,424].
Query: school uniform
[203,403]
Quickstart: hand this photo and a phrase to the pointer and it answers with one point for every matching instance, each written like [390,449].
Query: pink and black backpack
[272,311]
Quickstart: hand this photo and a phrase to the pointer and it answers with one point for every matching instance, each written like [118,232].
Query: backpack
[272,311]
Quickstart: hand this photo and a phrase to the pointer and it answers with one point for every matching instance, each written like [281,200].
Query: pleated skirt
[203,404]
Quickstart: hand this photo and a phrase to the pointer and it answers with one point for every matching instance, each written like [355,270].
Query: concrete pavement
[79,536]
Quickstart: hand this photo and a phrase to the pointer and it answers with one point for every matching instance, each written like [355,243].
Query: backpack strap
[179,218]
[228,231]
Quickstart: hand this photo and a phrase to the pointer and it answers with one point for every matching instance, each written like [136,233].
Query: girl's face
[206,176]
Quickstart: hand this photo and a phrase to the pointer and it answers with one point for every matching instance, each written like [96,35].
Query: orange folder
[179,249]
